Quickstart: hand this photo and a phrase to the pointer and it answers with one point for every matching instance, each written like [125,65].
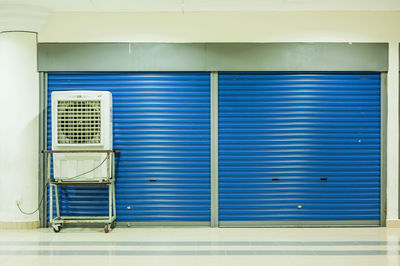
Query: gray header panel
[213,57]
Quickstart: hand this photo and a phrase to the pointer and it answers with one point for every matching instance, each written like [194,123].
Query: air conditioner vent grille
[79,121]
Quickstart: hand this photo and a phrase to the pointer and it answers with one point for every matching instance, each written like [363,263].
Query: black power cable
[30,213]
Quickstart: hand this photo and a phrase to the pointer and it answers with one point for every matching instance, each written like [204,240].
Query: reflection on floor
[202,246]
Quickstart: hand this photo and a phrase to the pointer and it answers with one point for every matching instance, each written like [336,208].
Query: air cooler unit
[81,120]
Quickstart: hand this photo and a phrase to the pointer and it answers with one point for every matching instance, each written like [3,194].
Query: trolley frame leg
[57,203]
[51,203]
[110,203]
[114,203]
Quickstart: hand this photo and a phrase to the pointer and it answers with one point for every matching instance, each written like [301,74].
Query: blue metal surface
[161,124]
[281,133]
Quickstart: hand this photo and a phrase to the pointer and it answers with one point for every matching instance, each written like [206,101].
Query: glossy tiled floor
[202,246]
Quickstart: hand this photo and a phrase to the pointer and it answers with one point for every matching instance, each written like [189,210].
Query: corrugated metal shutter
[299,146]
[162,127]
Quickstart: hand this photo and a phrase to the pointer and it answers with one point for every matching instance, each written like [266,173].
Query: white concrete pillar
[19,115]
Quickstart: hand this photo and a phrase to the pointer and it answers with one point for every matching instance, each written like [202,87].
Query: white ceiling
[210,5]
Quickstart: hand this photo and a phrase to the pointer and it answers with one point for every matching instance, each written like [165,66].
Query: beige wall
[223,27]
[247,27]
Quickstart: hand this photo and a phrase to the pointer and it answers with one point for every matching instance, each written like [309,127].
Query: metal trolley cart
[58,222]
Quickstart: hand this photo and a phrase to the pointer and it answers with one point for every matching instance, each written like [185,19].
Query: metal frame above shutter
[299,148]
[161,124]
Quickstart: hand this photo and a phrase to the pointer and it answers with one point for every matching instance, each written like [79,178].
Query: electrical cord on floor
[42,199]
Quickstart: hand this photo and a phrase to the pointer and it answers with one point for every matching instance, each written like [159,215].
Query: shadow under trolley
[58,221]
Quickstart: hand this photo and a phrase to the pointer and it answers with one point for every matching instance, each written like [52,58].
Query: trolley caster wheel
[106,228]
[56,228]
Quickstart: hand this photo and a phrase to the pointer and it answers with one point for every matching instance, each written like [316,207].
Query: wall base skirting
[20,225]
[393,223]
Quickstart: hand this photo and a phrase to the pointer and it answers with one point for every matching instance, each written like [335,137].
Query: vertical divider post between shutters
[45,138]
[42,186]
[214,148]
[42,107]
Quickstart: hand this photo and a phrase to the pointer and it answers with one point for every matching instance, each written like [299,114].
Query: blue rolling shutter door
[162,127]
[299,147]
